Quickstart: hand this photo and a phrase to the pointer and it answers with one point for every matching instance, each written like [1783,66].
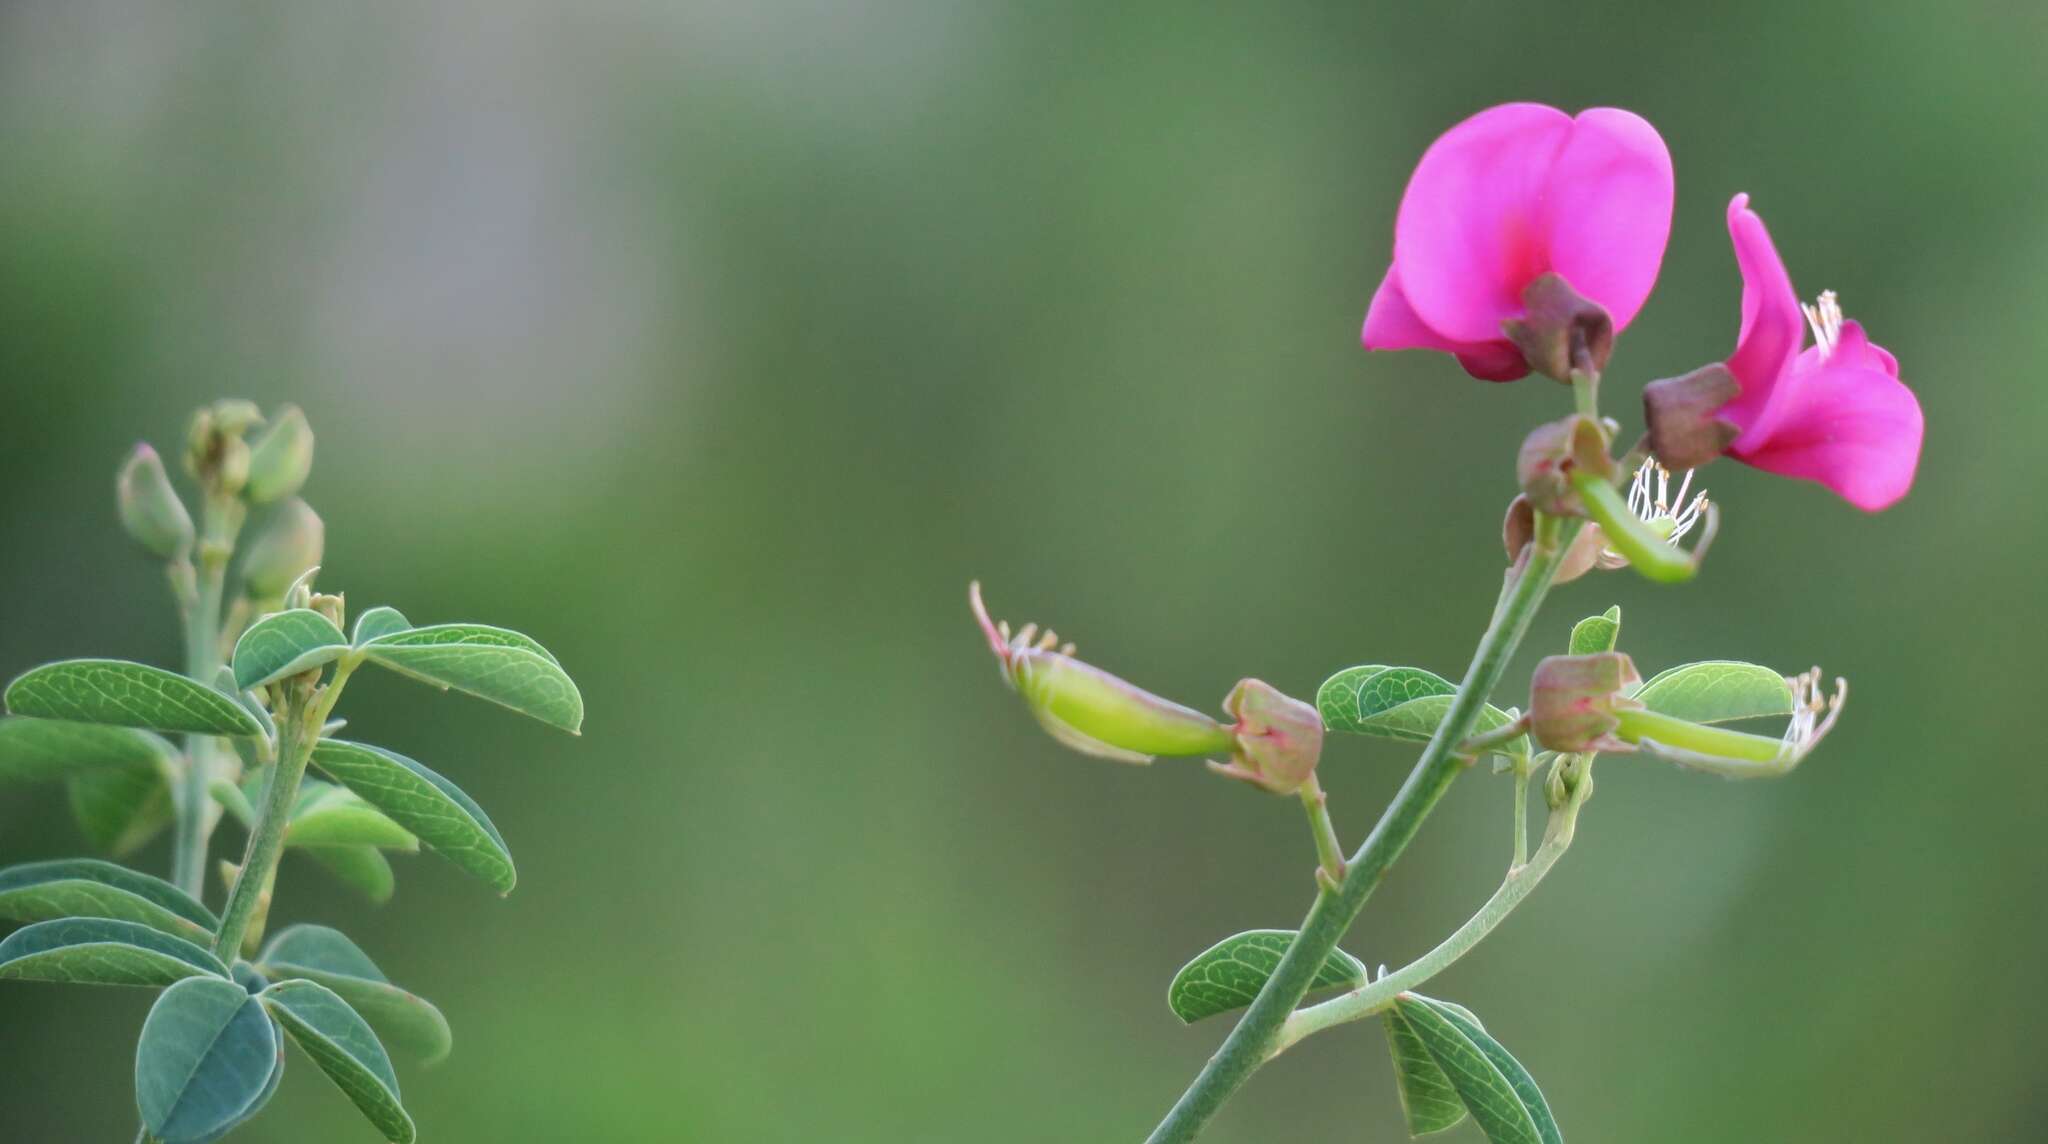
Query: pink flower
[1836,412]
[1508,195]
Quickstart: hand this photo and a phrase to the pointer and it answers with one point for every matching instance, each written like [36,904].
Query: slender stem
[221,519]
[1486,741]
[1329,851]
[1251,1042]
[1367,1000]
[1521,812]
[1586,391]
[298,729]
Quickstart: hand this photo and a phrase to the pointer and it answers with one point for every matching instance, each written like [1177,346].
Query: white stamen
[1825,316]
[1813,713]
[1650,507]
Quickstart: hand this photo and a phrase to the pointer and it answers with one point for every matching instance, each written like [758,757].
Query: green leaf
[89,888]
[1717,691]
[1517,1076]
[1596,634]
[1337,698]
[337,1038]
[121,808]
[102,951]
[1404,703]
[362,867]
[206,1058]
[285,643]
[127,694]
[423,802]
[1496,1102]
[329,815]
[1230,973]
[317,953]
[379,621]
[35,750]
[1429,1101]
[490,663]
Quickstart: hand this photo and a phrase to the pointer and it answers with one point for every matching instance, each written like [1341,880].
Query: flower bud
[1553,453]
[215,454]
[1561,331]
[280,458]
[1574,701]
[150,508]
[1520,528]
[1680,414]
[291,543]
[1279,738]
[334,607]
[1087,708]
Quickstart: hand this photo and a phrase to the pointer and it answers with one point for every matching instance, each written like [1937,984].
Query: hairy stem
[221,520]
[1252,1041]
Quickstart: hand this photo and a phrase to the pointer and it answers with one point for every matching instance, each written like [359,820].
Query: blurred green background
[718,344]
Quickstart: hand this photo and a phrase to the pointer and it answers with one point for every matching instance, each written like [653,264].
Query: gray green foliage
[1501,1096]
[206,1060]
[423,802]
[502,666]
[338,1040]
[283,644]
[1596,634]
[379,621]
[1716,691]
[1429,1102]
[1229,974]
[317,953]
[1404,703]
[120,808]
[125,694]
[36,750]
[102,951]
[89,888]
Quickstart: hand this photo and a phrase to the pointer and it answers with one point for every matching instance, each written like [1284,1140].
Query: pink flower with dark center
[1835,412]
[1513,193]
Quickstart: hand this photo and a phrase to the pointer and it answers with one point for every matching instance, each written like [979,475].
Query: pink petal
[1772,324]
[1392,324]
[1853,427]
[1469,235]
[1607,209]
[1855,348]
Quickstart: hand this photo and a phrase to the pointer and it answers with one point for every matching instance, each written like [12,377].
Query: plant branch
[201,592]
[1329,851]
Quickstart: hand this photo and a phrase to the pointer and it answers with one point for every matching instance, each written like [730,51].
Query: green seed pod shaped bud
[1575,701]
[1279,738]
[280,458]
[150,508]
[1087,708]
[1553,454]
[291,543]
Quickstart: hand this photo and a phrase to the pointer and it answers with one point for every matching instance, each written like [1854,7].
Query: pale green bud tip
[1279,739]
[150,509]
[290,544]
[1087,708]
[1575,701]
[280,459]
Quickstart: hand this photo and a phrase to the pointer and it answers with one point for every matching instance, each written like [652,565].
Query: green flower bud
[1279,738]
[150,508]
[291,543]
[1087,708]
[1575,701]
[215,454]
[280,458]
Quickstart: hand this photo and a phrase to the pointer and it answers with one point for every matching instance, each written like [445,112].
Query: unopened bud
[215,454]
[1087,708]
[1519,529]
[280,459]
[1680,413]
[1553,453]
[291,543]
[333,607]
[1561,331]
[1279,738]
[1574,701]
[150,508]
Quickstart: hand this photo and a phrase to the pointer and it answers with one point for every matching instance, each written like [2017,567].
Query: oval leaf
[121,808]
[1404,703]
[285,643]
[1337,698]
[329,815]
[317,953]
[1517,1076]
[379,621]
[1596,634]
[362,867]
[1493,1101]
[1229,974]
[337,1038]
[88,888]
[504,667]
[423,802]
[34,750]
[1717,691]
[206,1058]
[102,951]
[1429,1102]
[125,694]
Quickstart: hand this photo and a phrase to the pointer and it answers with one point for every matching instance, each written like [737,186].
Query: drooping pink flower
[1508,195]
[1835,412]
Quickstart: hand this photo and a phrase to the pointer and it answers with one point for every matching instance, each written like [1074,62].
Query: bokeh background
[718,344]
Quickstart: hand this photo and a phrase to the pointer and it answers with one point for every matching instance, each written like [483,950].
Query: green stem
[1637,725]
[298,730]
[1649,552]
[1329,851]
[1521,812]
[1251,1042]
[221,519]
[1368,1000]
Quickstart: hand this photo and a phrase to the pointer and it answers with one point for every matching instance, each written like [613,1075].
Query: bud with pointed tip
[1575,701]
[280,459]
[291,543]
[1553,454]
[1087,708]
[150,509]
[1279,738]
